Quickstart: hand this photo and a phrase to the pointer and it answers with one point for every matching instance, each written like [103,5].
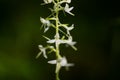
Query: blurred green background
[97,32]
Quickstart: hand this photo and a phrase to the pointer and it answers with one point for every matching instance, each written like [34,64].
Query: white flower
[67,9]
[68,28]
[69,41]
[42,51]
[63,62]
[46,24]
[47,1]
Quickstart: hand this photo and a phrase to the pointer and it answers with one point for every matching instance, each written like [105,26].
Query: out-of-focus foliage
[97,32]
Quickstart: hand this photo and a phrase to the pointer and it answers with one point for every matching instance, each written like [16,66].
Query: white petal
[52,62]
[63,61]
[72,43]
[47,23]
[44,54]
[70,9]
[51,41]
[42,20]
[70,64]
[50,1]
[71,27]
[68,1]
[70,13]
[40,46]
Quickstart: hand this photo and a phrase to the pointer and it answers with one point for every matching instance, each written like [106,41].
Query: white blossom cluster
[65,38]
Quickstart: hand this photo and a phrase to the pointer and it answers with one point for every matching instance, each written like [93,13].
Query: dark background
[97,32]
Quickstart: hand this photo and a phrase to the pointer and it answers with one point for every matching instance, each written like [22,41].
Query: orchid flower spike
[67,9]
[46,23]
[62,34]
[42,51]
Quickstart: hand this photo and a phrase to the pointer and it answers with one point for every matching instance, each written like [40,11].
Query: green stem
[58,56]
[57,34]
[57,76]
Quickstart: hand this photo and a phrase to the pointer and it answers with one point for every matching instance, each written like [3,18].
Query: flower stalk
[61,37]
